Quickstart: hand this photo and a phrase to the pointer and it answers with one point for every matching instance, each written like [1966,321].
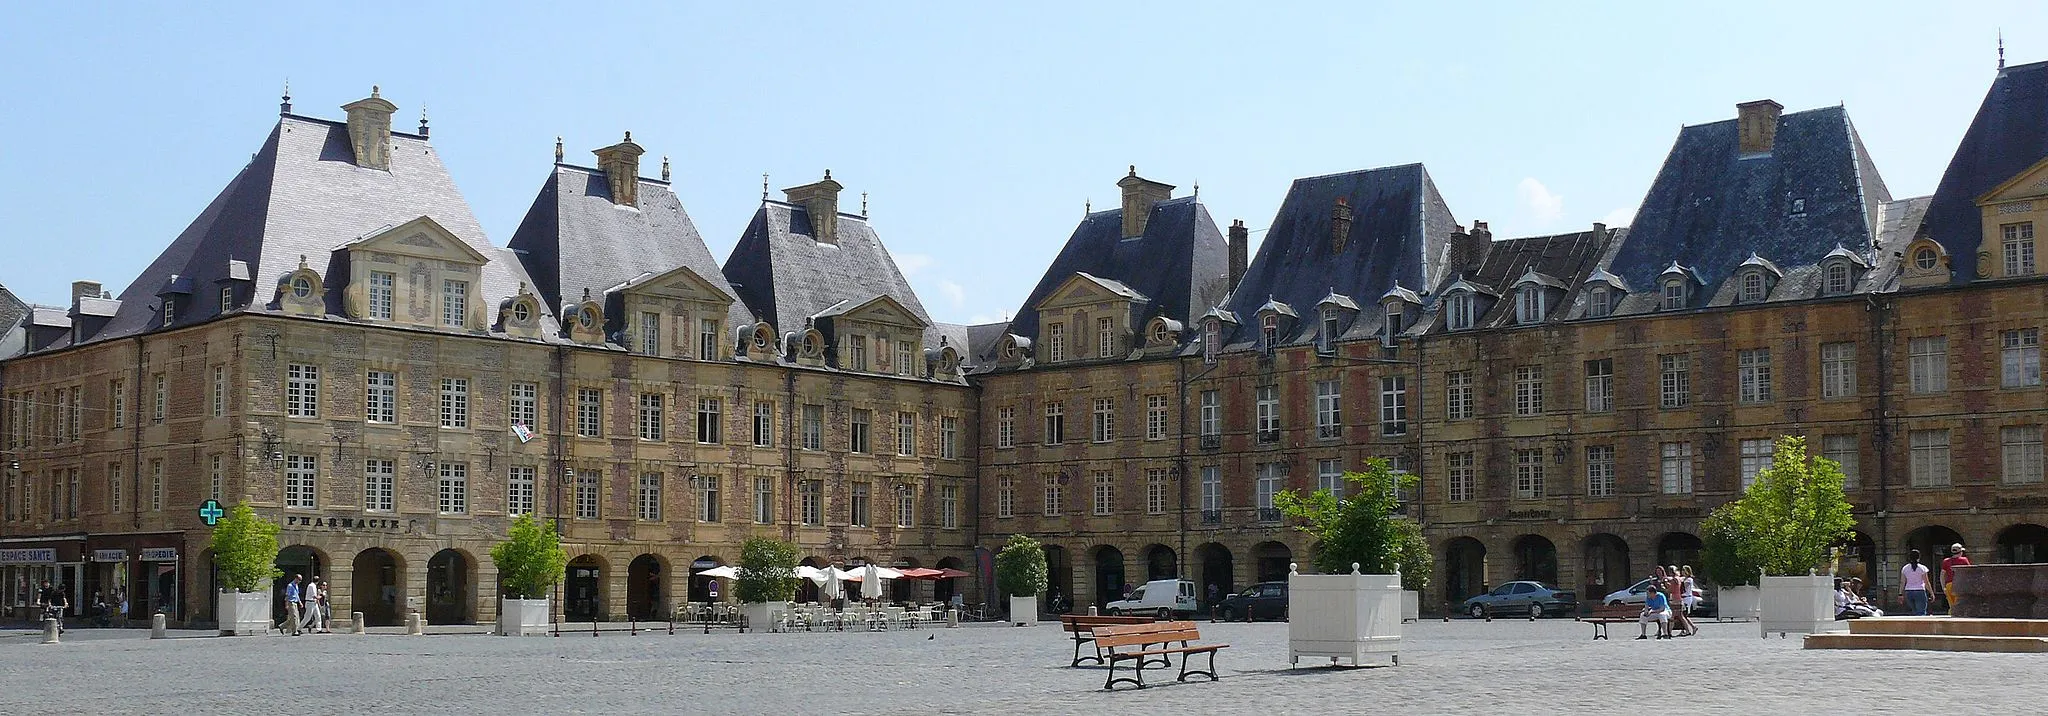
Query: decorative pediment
[880,309]
[679,283]
[2031,184]
[420,238]
[1083,289]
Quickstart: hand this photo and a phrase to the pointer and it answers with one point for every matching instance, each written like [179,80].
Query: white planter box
[1739,603]
[1024,609]
[1797,605]
[522,617]
[1411,605]
[761,617]
[243,613]
[1344,616]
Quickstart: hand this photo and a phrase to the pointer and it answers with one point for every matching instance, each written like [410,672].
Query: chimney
[1756,125]
[369,130]
[621,166]
[84,289]
[1469,248]
[1240,245]
[1340,225]
[1139,196]
[820,200]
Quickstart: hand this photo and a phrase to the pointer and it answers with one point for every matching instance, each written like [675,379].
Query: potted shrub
[767,580]
[1373,560]
[245,555]
[1785,527]
[530,561]
[1020,574]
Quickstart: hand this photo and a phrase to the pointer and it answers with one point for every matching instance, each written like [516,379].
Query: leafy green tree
[245,550]
[1785,524]
[1020,567]
[1363,527]
[767,570]
[531,559]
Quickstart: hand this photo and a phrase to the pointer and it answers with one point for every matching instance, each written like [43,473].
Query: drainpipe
[792,503]
[135,445]
[557,443]
[1880,312]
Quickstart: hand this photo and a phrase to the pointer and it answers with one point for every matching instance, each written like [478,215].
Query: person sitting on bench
[1657,608]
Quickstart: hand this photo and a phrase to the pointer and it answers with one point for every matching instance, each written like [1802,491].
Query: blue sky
[977,132]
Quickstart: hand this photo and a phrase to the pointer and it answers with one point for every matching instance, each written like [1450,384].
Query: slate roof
[1711,207]
[1179,263]
[574,238]
[13,330]
[2008,135]
[1400,227]
[1566,259]
[302,195]
[785,276]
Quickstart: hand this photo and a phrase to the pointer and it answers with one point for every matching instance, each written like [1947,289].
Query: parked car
[1166,598]
[1523,598]
[1265,600]
[1636,593]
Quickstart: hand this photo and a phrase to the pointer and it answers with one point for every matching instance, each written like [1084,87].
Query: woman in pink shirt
[1913,580]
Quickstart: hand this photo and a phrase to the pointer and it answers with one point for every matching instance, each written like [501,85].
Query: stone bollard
[51,628]
[1091,612]
[952,618]
[355,622]
[413,626]
[157,626]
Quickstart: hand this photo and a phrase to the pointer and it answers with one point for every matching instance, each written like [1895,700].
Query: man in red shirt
[1956,558]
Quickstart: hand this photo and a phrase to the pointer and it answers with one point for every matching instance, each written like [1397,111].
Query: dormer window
[522,312]
[1599,302]
[1753,287]
[1161,334]
[1838,281]
[1674,293]
[1397,316]
[587,320]
[227,299]
[707,338]
[1055,342]
[170,310]
[1458,312]
[454,302]
[1326,339]
[1212,340]
[1530,305]
[1269,331]
[1926,258]
[301,287]
[1105,337]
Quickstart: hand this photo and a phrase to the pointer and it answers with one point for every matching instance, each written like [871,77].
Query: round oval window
[1924,258]
[521,312]
[301,287]
[586,318]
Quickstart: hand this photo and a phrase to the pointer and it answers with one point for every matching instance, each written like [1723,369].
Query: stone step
[1923,642]
[1950,626]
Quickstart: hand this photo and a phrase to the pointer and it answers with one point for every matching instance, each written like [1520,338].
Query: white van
[1166,598]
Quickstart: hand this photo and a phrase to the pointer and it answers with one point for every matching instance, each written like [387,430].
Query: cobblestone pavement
[1464,666]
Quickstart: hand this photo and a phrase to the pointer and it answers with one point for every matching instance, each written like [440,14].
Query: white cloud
[1619,217]
[910,264]
[954,293]
[1544,206]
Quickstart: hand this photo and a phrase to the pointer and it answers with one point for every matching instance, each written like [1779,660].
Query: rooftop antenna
[558,150]
[285,107]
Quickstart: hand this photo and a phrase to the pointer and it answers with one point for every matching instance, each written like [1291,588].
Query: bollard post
[1091,611]
[157,626]
[952,618]
[50,631]
[632,625]
[413,627]
[355,624]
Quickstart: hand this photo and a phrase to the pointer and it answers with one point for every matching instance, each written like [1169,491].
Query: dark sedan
[1265,600]
[1523,599]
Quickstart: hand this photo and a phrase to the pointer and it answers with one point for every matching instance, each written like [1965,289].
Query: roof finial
[629,135]
[373,91]
[558,150]
[423,119]
[2001,48]
[586,293]
[1087,207]
[285,107]
[1134,170]
[664,167]
[828,174]
[302,260]
[863,201]
[764,186]
[1198,190]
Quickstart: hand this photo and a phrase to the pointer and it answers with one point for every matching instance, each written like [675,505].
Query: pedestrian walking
[1957,557]
[1913,580]
[310,596]
[292,604]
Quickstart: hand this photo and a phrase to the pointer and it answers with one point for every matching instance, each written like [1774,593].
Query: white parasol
[725,572]
[832,588]
[871,582]
[805,571]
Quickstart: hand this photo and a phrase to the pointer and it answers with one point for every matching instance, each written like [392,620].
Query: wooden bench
[1153,641]
[1606,614]
[1083,626]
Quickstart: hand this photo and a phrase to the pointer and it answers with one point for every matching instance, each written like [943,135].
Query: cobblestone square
[1464,666]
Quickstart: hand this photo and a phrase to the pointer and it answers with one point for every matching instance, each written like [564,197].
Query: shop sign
[342,523]
[30,555]
[110,555]
[159,554]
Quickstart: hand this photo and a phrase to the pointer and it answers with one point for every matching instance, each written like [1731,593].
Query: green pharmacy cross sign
[210,512]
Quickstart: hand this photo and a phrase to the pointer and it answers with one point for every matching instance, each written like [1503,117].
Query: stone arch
[1535,559]
[1859,559]
[1216,571]
[1606,566]
[943,589]
[1270,559]
[807,590]
[1110,580]
[906,590]
[647,579]
[1464,573]
[377,586]
[706,589]
[451,587]
[2023,543]
[1161,562]
[1059,574]
[1678,549]
[585,589]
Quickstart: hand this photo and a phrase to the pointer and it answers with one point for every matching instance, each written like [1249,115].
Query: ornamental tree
[1020,567]
[531,559]
[245,550]
[1363,526]
[767,570]
[1785,524]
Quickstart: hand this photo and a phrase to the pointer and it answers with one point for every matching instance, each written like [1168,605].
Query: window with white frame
[1267,410]
[380,477]
[906,433]
[519,489]
[1528,390]
[764,500]
[813,427]
[156,489]
[217,474]
[1838,278]
[1155,490]
[454,302]
[455,403]
[1458,316]
[811,501]
[454,488]
[1530,305]
[523,403]
[220,397]
[1927,364]
[905,358]
[1105,337]
[949,437]
[2018,240]
[1326,339]
[1846,451]
[1676,468]
[587,487]
[1600,471]
[1006,496]
[1212,490]
[1393,405]
[949,507]
[1055,423]
[1674,380]
[1837,369]
[117,398]
[649,497]
[1599,302]
[1105,494]
[1269,332]
[1600,385]
[1756,457]
[764,424]
[1330,477]
[1105,420]
[857,352]
[1006,427]
[1753,375]
[1055,496]
[301,392]
[1212,340]
[1329,409]
[1055,342]
[1674,294]
[156,410]
[115,486]
[1211,413]
[707,339]
[1459,476]
[1155,417]
[1752,287]
[1528,474]
[382,286]
[710,420]
[380,399]
[708,504]
[2020,358]
[589,412]
[1929,462]
[2022,447]
[650,333]
[857,505]
[1458,395]
[1270,477]
[906,506]
[301,481]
